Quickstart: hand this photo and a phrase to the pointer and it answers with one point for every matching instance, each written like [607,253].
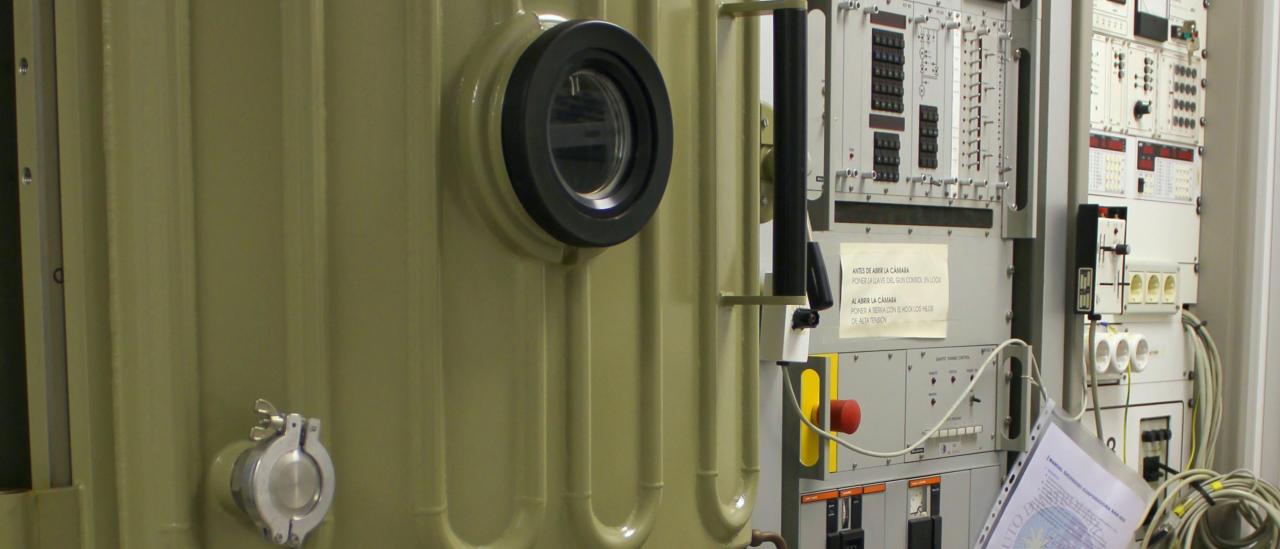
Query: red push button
[846,416]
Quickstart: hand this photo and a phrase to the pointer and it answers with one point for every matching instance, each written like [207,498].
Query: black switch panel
[1151,470]
[888,57]
[928,154]
[920,533]
[834,541]
[853,539]
[887,156]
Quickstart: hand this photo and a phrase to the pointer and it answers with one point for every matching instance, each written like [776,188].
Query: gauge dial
[1158,8]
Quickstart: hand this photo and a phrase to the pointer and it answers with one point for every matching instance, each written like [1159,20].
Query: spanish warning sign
[894,290]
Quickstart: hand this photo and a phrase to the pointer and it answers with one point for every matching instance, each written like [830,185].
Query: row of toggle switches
[958,432]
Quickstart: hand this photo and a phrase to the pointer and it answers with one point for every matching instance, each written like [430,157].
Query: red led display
[1107,143]
[1149,152]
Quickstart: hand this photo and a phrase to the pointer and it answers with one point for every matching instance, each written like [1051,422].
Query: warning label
[894,290]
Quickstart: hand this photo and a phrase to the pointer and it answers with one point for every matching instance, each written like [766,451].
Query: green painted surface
[305,202]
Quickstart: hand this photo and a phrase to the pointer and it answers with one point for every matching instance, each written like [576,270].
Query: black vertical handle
[818,286]
[789,83]
[1022,184]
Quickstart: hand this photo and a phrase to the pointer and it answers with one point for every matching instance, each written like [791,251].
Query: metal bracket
[751,9]
[792,428]
[1025,177]
[1015,414]
[731,300]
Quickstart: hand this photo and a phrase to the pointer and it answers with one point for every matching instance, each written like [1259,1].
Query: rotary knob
[284,482]
[805,319]
[1141,109]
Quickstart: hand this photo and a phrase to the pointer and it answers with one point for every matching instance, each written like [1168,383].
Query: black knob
[1122,249]
[1141,109]
[1148,436]
[804,318]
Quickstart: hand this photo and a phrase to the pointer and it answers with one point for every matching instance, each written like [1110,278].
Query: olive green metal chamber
[305,201]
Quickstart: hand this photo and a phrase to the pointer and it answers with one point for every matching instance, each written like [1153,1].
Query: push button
[846,416]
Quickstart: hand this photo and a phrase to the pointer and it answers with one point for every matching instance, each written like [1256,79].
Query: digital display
[1149,152]
[1106,142]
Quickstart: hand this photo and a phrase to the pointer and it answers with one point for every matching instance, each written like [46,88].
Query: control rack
[915,200]
[1147,89]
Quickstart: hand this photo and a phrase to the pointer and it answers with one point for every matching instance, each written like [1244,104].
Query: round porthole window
[586,133]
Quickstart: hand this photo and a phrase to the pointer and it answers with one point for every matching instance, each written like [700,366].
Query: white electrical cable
[1093,379]
[1181,507]
[1207,412]
[795,404]
[1084,388]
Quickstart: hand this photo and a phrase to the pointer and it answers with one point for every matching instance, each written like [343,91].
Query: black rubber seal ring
[553,56]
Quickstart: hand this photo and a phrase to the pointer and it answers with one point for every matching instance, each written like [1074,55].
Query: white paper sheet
[894,290]
[1066,499]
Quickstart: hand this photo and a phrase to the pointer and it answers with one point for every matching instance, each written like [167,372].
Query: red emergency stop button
[846,416]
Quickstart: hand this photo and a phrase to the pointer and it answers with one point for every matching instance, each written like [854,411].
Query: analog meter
[1157,8]
[1151,19]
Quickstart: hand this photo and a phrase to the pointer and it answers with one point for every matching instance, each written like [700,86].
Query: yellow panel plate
[810,392]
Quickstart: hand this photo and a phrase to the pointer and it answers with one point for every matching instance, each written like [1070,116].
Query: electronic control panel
[1148,86]
[918,104]
[915,202]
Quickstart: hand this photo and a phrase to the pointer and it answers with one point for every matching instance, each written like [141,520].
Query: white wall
[1240,254]
[1269,450]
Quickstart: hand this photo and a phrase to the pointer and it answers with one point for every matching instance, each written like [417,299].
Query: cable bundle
[1183,504]
[1206,411]
[1182,517]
